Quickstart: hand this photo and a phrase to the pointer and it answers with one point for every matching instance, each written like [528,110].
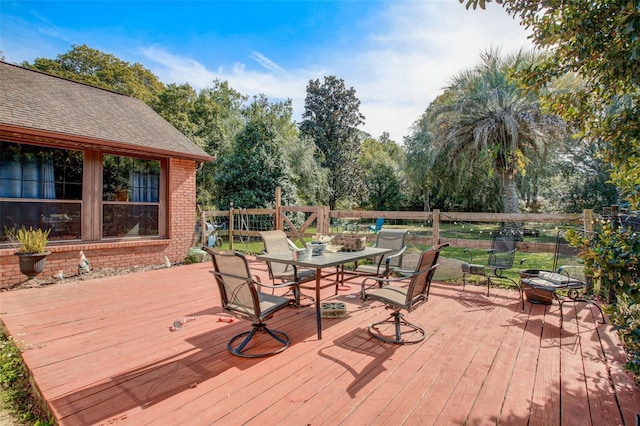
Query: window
[81,195]
[41,187]
[131,196]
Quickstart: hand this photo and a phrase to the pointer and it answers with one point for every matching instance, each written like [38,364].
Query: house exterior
[103,171]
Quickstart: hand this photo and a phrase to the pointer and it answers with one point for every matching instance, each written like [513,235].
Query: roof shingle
[37,101]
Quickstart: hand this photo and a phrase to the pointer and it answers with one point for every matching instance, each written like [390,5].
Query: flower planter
[32,264]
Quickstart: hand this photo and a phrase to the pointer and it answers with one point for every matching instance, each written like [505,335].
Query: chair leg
[574,298]
[398,322]
[560,302]
[298,295]
[573,295]
[277,335]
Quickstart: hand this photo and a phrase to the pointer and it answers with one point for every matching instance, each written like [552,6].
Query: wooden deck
[101,353]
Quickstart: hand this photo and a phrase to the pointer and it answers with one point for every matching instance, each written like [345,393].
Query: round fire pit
[534,294]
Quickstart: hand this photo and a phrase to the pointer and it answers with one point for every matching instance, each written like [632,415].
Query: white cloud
[425,43]
[266,62]
[271,80]
[406,60]
[398,59]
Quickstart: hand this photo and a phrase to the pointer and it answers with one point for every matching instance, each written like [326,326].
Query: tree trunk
[510,199]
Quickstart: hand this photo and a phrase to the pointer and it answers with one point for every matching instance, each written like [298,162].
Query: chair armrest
[385,281]
[563,269]
[387,261]
[399,253]
[257,282]
[470,255]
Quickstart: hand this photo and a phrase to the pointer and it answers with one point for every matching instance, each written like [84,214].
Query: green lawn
[521,260]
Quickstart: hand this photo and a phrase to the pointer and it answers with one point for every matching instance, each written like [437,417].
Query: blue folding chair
[378,226]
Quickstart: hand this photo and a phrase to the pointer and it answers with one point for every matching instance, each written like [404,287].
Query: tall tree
[100,69]
[211,119]
[383,161]
[256,164]
[217,117]
[600,41]
[582,181]
[175,104]
[490,120]
[308,177]
[331,118]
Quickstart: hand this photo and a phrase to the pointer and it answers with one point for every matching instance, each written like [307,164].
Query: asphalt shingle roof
[42,102]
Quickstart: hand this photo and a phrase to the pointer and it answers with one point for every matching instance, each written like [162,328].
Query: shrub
[612,257]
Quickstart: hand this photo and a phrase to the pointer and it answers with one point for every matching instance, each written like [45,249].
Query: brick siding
[181,217]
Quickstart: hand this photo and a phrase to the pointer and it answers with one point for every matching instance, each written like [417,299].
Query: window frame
[92,203]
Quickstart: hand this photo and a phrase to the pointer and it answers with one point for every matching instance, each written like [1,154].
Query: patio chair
[501,255]
[383,266]
[565,281]
[378,225]
[241,296]
[276,241]
[397,298]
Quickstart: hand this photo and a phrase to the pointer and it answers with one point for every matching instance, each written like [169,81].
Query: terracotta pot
[32,264]
[122,195]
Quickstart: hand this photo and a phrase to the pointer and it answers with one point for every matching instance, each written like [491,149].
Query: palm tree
[485,119]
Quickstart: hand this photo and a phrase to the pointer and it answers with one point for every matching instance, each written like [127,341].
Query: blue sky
[396,54]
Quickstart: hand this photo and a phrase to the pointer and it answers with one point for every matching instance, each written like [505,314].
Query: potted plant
[31,244]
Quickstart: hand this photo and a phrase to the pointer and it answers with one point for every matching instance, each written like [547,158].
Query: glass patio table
[325,260]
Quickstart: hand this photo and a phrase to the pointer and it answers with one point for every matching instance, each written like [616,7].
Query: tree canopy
[327,160]
[485,121]
[104,70]
[600,41]
[382,163]
[330,119]
[255,166]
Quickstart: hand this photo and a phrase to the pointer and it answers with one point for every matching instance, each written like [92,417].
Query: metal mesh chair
[240,296]
[406,298]
[501,255]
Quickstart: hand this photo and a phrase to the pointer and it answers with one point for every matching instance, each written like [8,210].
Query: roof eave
[26,135]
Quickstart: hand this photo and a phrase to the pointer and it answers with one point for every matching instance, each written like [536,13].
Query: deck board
[101,353]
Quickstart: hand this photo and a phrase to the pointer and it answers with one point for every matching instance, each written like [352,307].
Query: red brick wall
[182,208]
[181,217]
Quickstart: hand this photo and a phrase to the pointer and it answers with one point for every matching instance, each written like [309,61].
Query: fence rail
[426,228]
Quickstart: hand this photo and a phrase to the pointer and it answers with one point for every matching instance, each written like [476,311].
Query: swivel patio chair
[501,255]
[240,295]
[406,298]
[276,241]
[566,281]
[383,265]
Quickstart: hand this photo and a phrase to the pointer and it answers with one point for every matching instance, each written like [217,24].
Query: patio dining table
[325,260]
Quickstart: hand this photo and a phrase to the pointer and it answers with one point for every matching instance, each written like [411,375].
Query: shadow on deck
[101,352]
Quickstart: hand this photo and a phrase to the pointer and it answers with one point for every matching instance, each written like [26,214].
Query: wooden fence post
[231,225]
[588,220]
[277,216]
[323,220]
[436,226]
[203,224]
[615,211]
